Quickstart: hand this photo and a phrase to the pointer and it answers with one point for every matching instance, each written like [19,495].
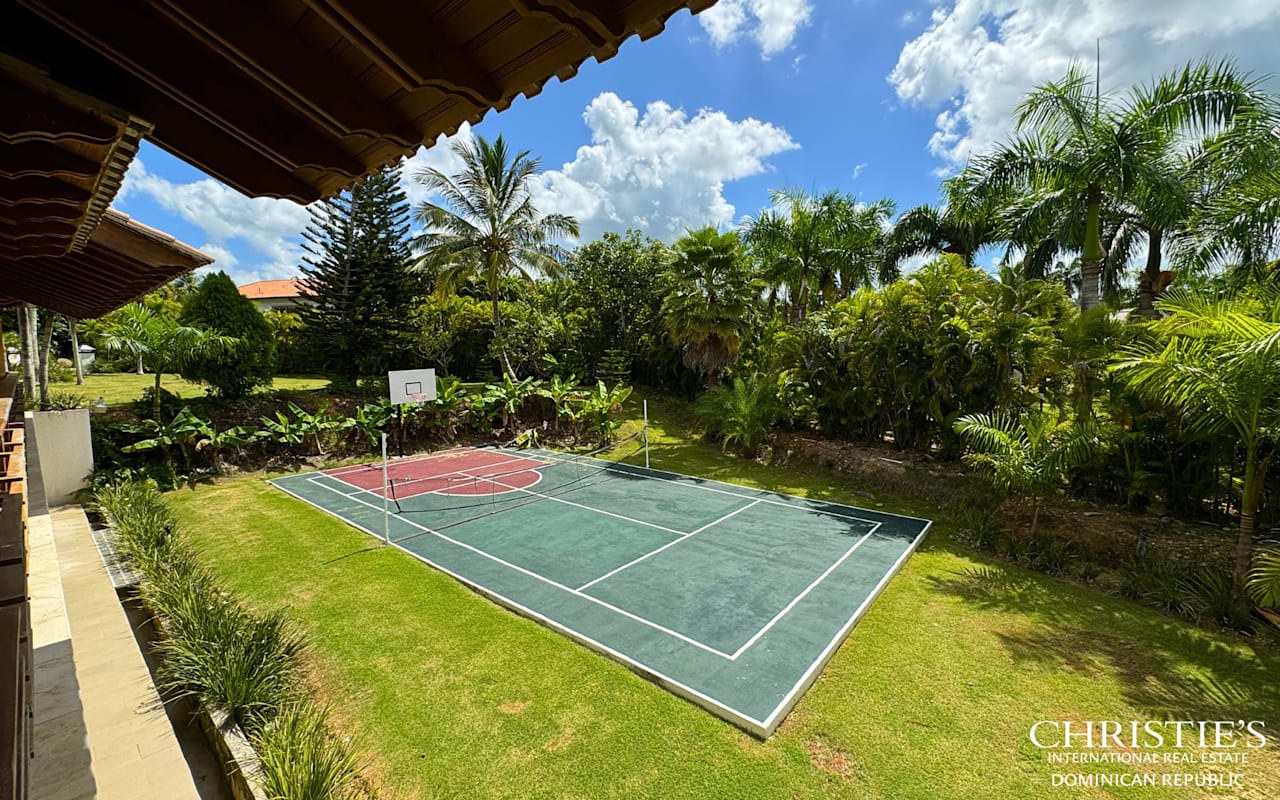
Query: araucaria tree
[358,276]
[489,227]
[707,307]
[219,307]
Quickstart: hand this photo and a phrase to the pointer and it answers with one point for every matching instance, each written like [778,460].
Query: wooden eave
[298,98]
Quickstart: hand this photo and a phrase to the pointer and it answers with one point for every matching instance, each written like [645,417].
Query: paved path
[100,730]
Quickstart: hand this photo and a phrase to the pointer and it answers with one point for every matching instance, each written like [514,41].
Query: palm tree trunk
[27,351]
[1094,253]
[1035,515]
[75,349]
[504,363]
[139,363]
[46,342]
[1254,474]
[1150,276]
[155,403]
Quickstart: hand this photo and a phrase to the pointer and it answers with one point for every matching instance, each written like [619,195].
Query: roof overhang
[122,261]
[298,98]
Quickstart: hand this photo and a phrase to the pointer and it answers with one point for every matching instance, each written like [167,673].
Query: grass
[119,388]
[932,696]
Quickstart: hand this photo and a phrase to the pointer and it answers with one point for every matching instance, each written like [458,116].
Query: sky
[876,98]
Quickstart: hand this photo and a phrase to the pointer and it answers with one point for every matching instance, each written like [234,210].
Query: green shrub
[301,760]
[65,401]
[218,306]
[1208,594]
[741,413]
[981,528]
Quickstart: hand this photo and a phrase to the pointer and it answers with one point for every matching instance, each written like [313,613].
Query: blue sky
[695,126]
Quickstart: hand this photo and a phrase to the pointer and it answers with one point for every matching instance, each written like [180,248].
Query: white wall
[66,452]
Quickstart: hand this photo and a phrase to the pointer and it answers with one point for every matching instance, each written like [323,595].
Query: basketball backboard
[411,385]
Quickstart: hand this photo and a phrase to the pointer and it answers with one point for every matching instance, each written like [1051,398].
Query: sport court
[730,597]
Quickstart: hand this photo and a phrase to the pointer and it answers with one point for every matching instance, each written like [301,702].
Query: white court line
[641,472]
[728,713]
[532,574]
[403,460]
[441,476]
[802,595]
[633,562]
[580,505]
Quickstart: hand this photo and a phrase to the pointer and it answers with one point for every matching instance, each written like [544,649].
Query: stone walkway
[100,730]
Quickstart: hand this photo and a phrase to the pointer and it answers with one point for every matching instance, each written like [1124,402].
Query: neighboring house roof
[273,290]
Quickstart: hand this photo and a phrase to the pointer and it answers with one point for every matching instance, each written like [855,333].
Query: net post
[646,433]
[386,511]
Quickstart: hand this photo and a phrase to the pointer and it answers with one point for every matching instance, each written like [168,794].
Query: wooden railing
[16,656]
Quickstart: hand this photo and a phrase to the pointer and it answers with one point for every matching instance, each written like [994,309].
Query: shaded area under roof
[298,98]
[122,261]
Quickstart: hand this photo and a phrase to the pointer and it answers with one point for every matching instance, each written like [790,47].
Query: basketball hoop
[418,398]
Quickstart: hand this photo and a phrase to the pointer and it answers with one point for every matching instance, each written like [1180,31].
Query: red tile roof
[265,290]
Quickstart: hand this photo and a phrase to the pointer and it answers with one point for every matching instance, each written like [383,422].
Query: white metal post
[646,434]
[386,511]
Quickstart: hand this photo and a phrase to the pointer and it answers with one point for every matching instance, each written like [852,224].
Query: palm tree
[1078,150]
[493,230]
[818,246]
[1030,454]
[159,343]
[707,307]
[961,226]
[1214,362]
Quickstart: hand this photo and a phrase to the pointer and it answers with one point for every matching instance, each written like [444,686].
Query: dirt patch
[831,759]
[514,707]
[560,741]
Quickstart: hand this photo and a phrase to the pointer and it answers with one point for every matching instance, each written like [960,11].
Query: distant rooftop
[270,290]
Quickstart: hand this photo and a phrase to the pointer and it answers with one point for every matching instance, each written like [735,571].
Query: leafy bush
[1264,579]
[1208,594]
[65,401]
[218,306]
[301,760]
[741,412]
[981,528]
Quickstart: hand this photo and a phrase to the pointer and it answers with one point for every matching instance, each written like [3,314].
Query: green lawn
[118,388]
[931,697]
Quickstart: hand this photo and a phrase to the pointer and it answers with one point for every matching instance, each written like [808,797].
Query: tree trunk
[4,356]
[73,324]
[504,363]
[1035,516]
[1150,277]
[139,363]
[1094,253]
[155,403]
[46,343]
[27,352]
[1254,475]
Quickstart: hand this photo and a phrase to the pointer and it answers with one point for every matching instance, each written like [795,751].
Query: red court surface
[456,472]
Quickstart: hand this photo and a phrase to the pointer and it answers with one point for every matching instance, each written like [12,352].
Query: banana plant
[510,395]
[444,414]
[164,436]
[205,437]
[370,420]
[600,404]
[565,397]
[281,430]
[316,425]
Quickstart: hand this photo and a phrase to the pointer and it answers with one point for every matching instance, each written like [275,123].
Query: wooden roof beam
[209,87]
[597,22]
[43,159]
[406,44]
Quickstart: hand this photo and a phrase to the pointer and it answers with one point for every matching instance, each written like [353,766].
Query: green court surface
[730,597]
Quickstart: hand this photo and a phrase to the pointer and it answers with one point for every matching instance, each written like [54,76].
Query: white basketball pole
[386,511]
[646,434]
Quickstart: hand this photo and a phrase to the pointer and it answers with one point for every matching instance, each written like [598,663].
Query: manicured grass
[931,697]
[118,388]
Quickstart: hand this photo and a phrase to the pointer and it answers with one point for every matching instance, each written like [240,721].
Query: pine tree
[218,306]
[358,274]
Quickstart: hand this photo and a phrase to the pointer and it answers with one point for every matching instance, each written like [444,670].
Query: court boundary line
[399,460]
[585,507]
[602,603]
[760,728]
[644,473]
[740,718]
[442,475]
[685,537]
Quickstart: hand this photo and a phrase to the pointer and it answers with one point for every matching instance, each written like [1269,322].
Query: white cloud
[858,168]
[978,58]
[661,171]
[268,227]
[772,24]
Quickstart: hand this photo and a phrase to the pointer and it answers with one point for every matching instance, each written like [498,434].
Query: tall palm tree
[708,305]
[1080,149]
[961,226]
[159,343]
[1214,362]
[817,247]
[491,228]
